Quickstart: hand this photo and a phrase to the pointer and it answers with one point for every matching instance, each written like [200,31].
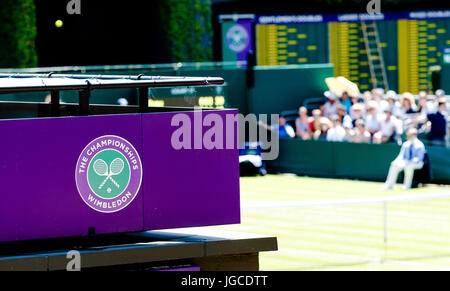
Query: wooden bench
[204,248]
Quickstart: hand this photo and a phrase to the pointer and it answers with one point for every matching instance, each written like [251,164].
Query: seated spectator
[388,126]
[438,124]
[367,97]
[360,132]
[314,120]
[424,106]
[395,106]
[357,112]
[346,120]
[324,126]
[378,94]
[372,119]
[408,103]
[346,101]
[355,100]
[330,107]
[336,132]
[283,128]
[302,124]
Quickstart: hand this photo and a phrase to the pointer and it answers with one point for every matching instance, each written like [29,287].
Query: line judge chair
[423,175]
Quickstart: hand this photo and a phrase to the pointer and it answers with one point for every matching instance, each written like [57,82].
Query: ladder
[374,55]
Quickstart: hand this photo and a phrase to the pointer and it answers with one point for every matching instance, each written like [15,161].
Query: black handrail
[50,82]
[84,84]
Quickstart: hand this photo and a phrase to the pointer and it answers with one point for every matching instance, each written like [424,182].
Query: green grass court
[330,224]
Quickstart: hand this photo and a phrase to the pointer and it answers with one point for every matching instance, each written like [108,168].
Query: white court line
[346,202]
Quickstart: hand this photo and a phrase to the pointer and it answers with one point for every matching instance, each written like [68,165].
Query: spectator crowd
[373,117]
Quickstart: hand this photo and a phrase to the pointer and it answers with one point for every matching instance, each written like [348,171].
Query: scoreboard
[421,46]
[349,56]
[291,44]
[410,43]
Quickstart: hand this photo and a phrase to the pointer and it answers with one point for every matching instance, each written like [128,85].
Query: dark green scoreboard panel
[291,44]
[421,44]
[348,52]
[411,43]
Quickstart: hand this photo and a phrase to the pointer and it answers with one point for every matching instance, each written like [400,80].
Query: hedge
[188,29]
[17,34]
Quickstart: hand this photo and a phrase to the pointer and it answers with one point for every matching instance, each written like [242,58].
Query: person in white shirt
[408,103]
[346,120]
[425,107]
[302,124]
[360,133]
[330,107]
[378,95]
[372,119]
[357,112]
[337,132]
[388,126]
[367,97]
[411,158]
[396,107]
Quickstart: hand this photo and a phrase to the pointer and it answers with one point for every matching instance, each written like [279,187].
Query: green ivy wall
[187,28]
[17,34]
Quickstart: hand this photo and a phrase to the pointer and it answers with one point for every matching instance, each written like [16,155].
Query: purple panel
[187,188]
[37,171]
[248,26]
[40,163]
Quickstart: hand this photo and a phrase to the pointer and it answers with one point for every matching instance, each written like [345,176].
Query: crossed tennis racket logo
[115,168]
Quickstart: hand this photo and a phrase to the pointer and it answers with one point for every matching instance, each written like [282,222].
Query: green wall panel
[389,41]
[350,160]
[305,157]
[286,87]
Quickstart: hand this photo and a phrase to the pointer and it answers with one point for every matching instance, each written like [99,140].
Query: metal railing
[84,84]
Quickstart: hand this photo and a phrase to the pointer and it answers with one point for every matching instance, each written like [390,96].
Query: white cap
[330,95]
[122,102]
[391,95]
[372,104]
[440,93]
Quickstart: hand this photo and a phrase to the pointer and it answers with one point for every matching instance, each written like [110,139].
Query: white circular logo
[108,174]
[238,38]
